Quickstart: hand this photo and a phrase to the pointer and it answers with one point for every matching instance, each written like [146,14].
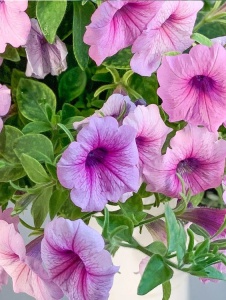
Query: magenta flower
[14,23]
[5,102]
[25,269]
[211,219]
[44,58]
[117,106]
[116,24]
[75,259]
[151,132]
[196,155]
[169,30]
[101,165]
[193,86]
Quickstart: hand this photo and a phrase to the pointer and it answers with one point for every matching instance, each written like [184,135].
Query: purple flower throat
[187,166]
[96,157]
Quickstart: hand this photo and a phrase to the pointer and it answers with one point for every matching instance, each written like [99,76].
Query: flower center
[141,141]
[202,82]
[187,166]
[96,157]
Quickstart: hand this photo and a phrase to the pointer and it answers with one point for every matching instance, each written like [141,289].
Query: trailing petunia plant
[109,109]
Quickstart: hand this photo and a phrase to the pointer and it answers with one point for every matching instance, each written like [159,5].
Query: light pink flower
[151,132]
[117,106]
[169,30]
[116,24]
[193,86]
[75,259]
[6,216]
[5,102]
[26,270]
[14,23]
[220,39]
[101,166]
[196,155]
[44,58]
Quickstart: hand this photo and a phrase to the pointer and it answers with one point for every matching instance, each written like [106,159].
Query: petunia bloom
[196,155]
[193,86]
[151,131]
[5,102]
[26,271]
[101,165]
[116,24]
[117,106]
[169,30]
[75,259]
[6,216]
[44,58]
[211,219]
[14,23]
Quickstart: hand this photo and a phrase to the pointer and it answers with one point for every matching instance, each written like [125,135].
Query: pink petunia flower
[44,58]
[169,30]
[5,102]
[196,155]
[75,259]
[193,86]
[24,267]
[117,106]
[101,165]
[151,132]
[14,23]
[6,216]
[116,24]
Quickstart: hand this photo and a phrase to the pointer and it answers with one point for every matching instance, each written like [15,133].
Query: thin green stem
[150,220]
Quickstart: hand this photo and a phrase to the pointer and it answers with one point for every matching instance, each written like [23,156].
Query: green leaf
[36,127]
[50,15]
[166,289]
[33,98]
[176,236]
[57,200]
[35,145]
[15,78]
[120,60]
[7,140]
[146,87]
[117,221]
[210,272]
[157,247]
[201,39]
[70,211]
[10,171]
[34,169]
[10,54]
[22,202]
[6,192]
[156,272]
[72,84]
[81,18]
[195,200]
[40,206]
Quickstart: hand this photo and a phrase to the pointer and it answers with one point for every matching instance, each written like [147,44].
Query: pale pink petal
[143,264]
[193,86]
[151,131]
[169,30]
[3,278]
[220,39]
[5,100]
[14,261]
[6,216]
[14,23]
[116,24]
[75,259]
[196,155]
